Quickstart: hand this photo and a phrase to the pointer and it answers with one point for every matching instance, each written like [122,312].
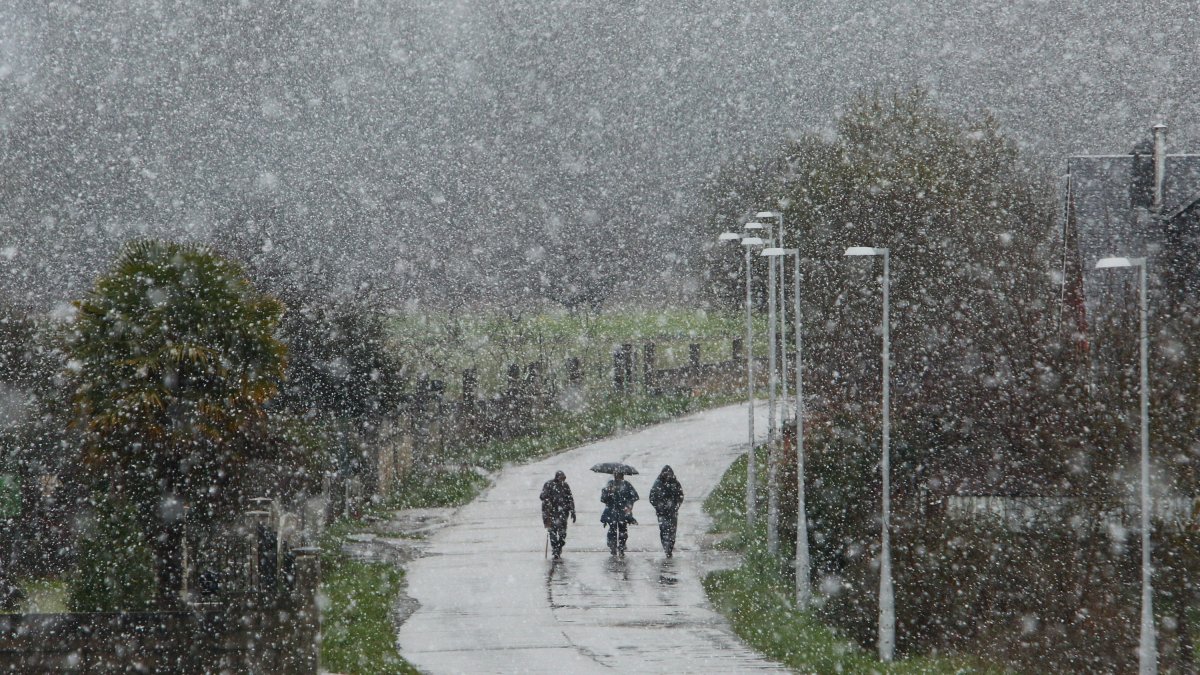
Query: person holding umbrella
[557,504]
[618,497]
[665,496]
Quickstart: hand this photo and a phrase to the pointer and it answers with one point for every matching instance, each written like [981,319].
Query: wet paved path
[490,602]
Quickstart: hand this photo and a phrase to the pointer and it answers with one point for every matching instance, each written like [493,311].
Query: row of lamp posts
[775,252]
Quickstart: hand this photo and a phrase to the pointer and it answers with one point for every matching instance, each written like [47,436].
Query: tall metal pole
[777,450]
[783,363]
[887,600]
[803,583]
[1147,647]
[750,478]
[772,385]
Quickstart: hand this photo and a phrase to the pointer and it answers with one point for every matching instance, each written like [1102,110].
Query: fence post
[514,381]
[437,421]
[648,359]
[470,385]
[256,522]
[304,654]
[694,356]
[535,394]
[619,368]
[629,365]
[421,423]
[512,423]
[738,353]
[574,371]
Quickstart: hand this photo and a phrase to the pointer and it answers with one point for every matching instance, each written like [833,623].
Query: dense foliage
[983,374]
[175,359]
[990,394]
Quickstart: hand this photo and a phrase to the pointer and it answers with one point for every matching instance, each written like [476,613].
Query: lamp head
[865,250]
[752,241]
[1106,263]
[729,236]
[767,214]
[774,251]
[755,226]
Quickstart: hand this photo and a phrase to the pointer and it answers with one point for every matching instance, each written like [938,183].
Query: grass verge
[356,617]
[758,599]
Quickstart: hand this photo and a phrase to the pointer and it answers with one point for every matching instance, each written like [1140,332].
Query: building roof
[1103,205]
[1106,215]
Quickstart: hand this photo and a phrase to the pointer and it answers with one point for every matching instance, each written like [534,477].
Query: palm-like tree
[175,357]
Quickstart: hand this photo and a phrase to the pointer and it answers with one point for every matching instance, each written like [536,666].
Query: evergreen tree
[175,359]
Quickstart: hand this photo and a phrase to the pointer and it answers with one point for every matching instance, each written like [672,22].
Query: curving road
[490,602]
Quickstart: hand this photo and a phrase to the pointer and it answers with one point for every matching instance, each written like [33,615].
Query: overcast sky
[452,143]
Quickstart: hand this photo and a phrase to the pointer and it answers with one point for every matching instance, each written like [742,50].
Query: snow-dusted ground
[490,602]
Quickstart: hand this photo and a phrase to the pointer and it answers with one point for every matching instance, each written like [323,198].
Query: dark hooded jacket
[557,502]
[618,499]
[666,494]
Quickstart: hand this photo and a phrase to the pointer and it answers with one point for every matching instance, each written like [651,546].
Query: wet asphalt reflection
[491,602]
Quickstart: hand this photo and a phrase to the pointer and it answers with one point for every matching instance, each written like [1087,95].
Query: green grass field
[446,344]
[357,633]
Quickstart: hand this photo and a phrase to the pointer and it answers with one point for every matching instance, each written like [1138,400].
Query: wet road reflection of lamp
[803,580]
[1147,647]
[887,598]
[748,243]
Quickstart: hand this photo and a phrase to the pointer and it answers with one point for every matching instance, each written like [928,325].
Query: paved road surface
[490,602]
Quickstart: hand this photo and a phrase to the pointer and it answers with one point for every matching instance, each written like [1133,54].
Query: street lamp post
[748,243]
[803,564]
[772,381]
[1147,640]
[772,385]
[776,440]
[887,598]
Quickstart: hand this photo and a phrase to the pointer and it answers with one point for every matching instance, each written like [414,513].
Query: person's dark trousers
[618,533]
[666,532]
[558,537]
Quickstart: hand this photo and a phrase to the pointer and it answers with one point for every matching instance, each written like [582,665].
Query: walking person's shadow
[667,573]
[558,578]
[618,567]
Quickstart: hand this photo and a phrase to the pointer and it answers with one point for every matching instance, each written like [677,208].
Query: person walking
[665,496]
[618,498]
[557,504]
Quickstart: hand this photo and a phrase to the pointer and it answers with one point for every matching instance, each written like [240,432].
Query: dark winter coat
[618,499]
[557,503]
[666,494]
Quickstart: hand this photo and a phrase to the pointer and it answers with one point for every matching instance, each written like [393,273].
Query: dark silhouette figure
[665,496]
[557,504]
[618,498]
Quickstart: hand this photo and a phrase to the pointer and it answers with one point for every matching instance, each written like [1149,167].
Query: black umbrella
[615,467]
